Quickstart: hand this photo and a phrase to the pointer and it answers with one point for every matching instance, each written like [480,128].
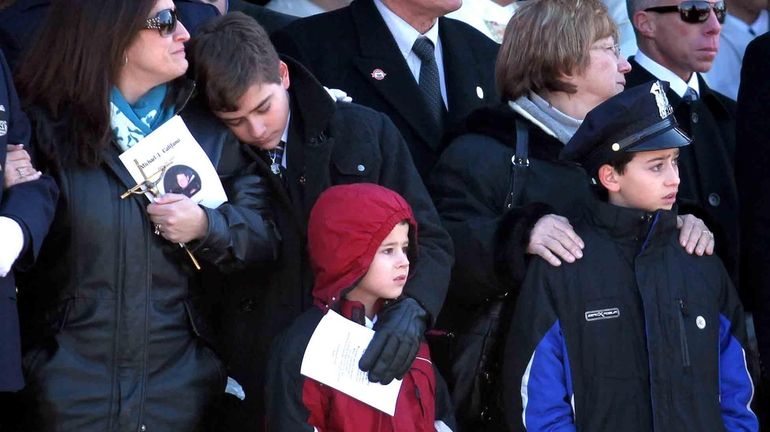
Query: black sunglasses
[694,11]
[164,21]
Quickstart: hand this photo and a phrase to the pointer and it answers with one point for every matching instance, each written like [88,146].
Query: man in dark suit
[27,205]
[678,47]
[369,50]
[752,155]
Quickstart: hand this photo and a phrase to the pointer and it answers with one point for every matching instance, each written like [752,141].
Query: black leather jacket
[113,342]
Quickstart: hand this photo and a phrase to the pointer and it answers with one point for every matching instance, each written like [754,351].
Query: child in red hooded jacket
[359,240]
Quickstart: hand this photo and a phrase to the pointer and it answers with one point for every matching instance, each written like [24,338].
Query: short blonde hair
[546,39]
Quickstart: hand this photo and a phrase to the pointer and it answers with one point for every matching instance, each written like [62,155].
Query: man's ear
[644,23]
[608,177]
[283,72]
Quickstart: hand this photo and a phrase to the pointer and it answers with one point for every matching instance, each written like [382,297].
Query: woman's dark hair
[74,62]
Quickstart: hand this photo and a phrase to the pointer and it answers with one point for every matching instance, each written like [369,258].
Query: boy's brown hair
[230,54]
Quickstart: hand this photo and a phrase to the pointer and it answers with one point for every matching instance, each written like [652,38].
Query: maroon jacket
[346,227]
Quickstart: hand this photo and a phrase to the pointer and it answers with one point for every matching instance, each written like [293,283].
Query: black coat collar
[640,228]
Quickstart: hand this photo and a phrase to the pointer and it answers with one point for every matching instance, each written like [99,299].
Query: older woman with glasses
[499,187]
[112,337]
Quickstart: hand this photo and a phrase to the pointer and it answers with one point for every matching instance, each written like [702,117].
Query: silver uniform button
[714,199]
[700,322]
[361,168]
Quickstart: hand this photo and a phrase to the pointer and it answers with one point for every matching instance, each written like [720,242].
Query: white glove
[11,244]
[338,95]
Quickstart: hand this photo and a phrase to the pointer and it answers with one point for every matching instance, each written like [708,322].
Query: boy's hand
[177,218]
[694,235]
[552,238]
[398,332]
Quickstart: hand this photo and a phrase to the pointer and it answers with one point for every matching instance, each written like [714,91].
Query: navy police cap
[634,120]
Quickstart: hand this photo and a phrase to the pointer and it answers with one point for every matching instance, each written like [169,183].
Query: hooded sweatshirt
[346,227]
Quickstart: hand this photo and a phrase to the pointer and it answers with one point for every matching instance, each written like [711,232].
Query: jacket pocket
[206,344]
[354,167]
[612,341]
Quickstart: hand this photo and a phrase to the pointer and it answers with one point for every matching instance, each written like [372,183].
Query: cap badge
[664,108]
[378,74]
[616,147]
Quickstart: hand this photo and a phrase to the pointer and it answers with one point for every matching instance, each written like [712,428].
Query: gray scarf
[544,115]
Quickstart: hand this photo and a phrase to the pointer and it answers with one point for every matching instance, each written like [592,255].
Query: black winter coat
[328,144]
[113,341]
[470,185]
[32,206]
[708,187]
[637,335]
[752,157]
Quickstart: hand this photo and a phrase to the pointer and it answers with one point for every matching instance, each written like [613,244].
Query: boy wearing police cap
[638,335]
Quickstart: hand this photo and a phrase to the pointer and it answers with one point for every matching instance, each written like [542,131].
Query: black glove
[398,332]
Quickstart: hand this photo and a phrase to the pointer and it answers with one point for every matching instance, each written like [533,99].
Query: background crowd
[116,329]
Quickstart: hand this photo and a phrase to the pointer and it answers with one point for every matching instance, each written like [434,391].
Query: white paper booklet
[172,160]
[332,357]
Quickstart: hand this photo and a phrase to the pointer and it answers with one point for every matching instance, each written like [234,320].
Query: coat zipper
[683,334]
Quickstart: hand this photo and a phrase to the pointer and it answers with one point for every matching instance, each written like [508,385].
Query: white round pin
[700,322]
[480,92]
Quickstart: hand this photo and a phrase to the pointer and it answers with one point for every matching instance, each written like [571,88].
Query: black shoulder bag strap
[519,165]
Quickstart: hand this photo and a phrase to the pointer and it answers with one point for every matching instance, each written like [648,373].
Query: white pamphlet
[171,160]
[332,357]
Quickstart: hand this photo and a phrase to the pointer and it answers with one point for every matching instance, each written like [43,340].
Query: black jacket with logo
[635,336]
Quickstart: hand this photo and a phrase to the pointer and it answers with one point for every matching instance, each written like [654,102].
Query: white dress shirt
[300,8]
[678,85]
[405,36]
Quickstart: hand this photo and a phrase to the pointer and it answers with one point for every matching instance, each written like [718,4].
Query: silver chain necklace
[275,167]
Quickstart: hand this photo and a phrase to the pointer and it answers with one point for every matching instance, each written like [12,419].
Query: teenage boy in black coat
[273,106]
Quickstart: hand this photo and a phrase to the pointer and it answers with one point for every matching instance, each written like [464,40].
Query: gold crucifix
[150,186]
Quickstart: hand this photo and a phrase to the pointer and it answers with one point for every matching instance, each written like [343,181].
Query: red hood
[347,225]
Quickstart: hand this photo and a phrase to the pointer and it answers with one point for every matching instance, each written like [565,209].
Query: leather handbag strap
[519,165]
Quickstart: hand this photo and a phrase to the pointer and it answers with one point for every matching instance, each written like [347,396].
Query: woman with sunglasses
[499,187]
[112,337]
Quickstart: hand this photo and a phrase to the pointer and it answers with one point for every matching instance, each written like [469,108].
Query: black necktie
[690,95]
[429,82]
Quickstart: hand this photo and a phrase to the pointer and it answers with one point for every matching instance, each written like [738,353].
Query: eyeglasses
[614,49]
[694,11]
[164,21]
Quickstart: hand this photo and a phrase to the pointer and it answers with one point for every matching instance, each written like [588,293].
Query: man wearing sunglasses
[678,41]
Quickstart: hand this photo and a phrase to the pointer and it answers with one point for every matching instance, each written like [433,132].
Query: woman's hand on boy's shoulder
[694,235]
[554,239]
